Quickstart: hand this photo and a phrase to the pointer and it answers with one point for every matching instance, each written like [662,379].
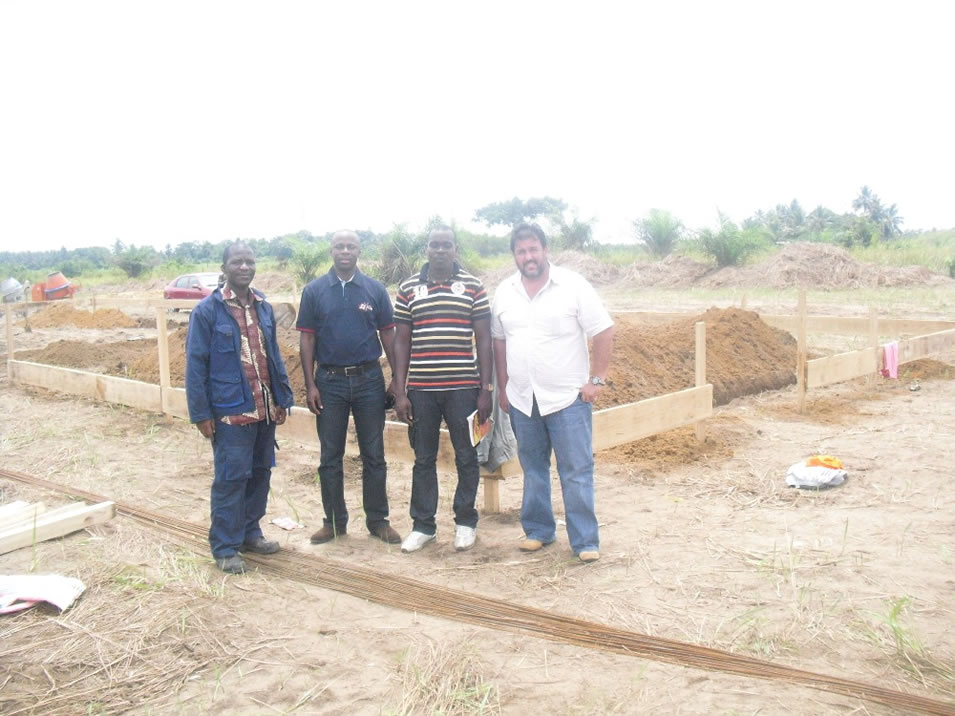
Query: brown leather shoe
[327,534]
[387,534]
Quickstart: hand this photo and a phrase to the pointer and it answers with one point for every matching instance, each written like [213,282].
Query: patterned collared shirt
[253,356]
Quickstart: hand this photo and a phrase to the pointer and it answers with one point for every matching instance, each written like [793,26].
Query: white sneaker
[464,537]
[415,541]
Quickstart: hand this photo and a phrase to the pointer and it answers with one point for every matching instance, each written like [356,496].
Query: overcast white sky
[163,122]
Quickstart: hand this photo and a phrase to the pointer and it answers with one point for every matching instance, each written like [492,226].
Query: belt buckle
[351,370]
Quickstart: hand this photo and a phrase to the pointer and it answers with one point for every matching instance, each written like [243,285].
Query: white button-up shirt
[546,336]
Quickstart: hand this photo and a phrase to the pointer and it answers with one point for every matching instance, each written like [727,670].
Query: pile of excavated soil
[743,356]
[115,358]
[146,366]
[62,314]
[926,369]
[662,452]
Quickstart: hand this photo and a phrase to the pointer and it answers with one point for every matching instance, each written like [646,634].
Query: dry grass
[131,639]
[446,679]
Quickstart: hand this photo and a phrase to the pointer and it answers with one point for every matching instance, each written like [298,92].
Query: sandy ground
[856,581]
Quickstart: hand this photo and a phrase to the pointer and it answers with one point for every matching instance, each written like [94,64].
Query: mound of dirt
[743,356]
[62,314]
[659,453]
[820,266]
[115,358]
[146,366]
[926,369]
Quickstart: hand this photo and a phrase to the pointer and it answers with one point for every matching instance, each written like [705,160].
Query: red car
[191,285]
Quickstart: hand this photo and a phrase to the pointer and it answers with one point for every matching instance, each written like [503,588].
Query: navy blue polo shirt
[345,319]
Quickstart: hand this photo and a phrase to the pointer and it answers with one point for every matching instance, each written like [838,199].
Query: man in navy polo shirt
[344,320]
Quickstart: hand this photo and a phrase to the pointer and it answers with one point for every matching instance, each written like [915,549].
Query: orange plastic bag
[825,461]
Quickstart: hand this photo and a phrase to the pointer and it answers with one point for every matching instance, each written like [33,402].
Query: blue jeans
[244,456]
[364,397]
[569,432]
[428,408]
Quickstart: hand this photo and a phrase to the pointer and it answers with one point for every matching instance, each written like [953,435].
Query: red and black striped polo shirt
[442,316]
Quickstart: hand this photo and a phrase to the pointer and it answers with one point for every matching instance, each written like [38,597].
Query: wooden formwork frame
[611,427]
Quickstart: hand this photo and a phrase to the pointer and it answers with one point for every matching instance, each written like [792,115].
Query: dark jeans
[429,407]
[244,456]
[364,397]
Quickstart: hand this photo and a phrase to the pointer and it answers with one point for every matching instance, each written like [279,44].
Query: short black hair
[525,228]
[231,246]
[444,228]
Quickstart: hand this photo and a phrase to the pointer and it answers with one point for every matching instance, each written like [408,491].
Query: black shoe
[387,534]
[260,546]
[231,565]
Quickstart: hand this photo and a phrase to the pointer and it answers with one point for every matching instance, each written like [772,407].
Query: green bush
[659,232]
[731,246]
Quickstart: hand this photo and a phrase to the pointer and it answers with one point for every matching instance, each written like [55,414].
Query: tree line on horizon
[397,252]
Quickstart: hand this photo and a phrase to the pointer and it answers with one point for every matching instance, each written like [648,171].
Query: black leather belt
[350,370]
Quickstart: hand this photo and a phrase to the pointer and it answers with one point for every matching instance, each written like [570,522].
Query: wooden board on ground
[134,393]
[926,346]
[14,512]
[55,523]
[840,367]
[626,423]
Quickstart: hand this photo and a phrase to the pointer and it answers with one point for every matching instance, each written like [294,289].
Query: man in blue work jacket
[344,320]
[238,391]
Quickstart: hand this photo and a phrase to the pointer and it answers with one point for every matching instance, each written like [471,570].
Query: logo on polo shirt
[365,307]
[457,288]
[421,291]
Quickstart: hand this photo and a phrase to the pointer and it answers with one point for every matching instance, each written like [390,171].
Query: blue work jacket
[216,385]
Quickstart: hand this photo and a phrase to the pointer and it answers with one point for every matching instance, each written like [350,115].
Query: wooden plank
[134,393]
[802,353]
[855,325]
[14,512]
[300,427]
[841,367]
[492,492]
[174,403]
[874,343]
[700,369]
[10,507]
[51,525]
[626,423]
[926,346]
[27,517]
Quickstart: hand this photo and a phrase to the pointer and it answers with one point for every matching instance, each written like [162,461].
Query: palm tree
[659,231]
[891,223]
[866,201]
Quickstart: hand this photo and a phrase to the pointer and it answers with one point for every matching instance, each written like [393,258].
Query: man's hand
[403,408]
[314,400]
[589,392]
[484,405]
[503,401]
[207,428]
[280,415]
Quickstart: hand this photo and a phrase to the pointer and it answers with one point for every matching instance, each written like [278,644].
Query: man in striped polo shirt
[440,314]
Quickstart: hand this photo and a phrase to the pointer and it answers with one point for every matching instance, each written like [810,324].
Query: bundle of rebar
[414,595]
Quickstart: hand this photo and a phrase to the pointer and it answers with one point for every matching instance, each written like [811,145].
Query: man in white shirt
[540,322]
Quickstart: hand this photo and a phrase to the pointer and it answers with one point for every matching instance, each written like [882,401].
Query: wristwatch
[489,387]
[597,380]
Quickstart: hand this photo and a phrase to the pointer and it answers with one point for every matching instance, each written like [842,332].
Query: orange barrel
[57,286]
[36,293]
